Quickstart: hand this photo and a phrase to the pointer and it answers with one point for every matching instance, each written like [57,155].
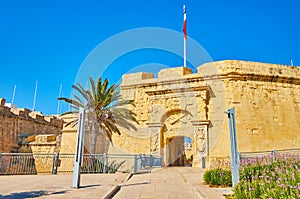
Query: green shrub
[218,177]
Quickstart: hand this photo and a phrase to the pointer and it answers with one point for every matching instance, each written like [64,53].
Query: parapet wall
[252,70]
[16,122]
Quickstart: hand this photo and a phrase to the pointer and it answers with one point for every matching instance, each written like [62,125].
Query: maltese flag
[184,22]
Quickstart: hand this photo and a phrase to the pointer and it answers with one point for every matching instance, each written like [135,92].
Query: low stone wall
[43,148]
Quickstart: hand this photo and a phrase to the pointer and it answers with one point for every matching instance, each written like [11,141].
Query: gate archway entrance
[176,125]
[175,151]
[168,138]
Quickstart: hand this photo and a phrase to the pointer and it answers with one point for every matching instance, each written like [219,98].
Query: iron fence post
[135,164]
[151,160]
[143,161]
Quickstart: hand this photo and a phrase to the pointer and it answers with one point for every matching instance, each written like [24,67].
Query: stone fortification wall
[16,122]
[266,98]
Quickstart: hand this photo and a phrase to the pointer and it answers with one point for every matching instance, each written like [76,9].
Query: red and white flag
[184,22]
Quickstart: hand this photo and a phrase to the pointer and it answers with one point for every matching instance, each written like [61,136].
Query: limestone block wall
[173,104]
[266,98]
[68,146]
[43,147]
[15,122]
[129,144]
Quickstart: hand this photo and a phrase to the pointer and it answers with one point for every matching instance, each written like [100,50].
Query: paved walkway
[57,186]
[171,182]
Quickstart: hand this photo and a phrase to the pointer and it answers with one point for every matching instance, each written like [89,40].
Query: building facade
[179,103]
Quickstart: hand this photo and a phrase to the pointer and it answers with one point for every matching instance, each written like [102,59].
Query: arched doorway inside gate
[179,151]
[175,151]
[175,137]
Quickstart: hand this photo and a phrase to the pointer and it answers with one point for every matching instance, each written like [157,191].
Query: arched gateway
[170,109]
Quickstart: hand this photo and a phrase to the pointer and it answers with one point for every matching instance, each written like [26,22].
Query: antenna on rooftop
[13,95]
[34,97]
[58,101]
[292,64]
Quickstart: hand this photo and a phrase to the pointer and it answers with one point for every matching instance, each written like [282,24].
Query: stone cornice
[264,78]
[176,90]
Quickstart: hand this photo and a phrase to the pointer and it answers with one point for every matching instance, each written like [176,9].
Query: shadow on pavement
[133,184]
[88,186]
[29,194]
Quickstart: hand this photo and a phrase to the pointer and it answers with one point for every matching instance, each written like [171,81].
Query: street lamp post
[79,149]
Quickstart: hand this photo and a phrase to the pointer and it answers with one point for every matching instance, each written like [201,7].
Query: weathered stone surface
[16,122]
[43,147]
[266,98]
[173,72]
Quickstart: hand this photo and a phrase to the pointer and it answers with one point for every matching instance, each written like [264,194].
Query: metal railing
[268,156]
[252,157]
[31,164]
[17,164]
[144,161]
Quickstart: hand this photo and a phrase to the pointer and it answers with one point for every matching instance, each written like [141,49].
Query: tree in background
[105,113]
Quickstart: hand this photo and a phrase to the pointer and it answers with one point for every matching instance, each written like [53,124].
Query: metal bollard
[203,162]
[55,163]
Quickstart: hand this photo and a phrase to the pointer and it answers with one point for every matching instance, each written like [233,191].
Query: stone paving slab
[171,182]
[57,186]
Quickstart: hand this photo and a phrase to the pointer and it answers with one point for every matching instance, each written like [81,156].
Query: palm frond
[93,86]
[68,113]
[72,102]
[104,108]
[78,87]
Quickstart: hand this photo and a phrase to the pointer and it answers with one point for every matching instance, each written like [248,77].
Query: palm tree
[105,113]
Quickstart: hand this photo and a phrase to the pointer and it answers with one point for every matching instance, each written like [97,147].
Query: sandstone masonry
[17,122]
[179,103]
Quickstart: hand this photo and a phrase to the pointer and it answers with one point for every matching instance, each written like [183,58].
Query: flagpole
[58,101]
[34,98]
[13,96]
[184,52]
[184,36]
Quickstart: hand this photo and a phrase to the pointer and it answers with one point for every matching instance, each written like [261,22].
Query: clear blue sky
[48,40]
